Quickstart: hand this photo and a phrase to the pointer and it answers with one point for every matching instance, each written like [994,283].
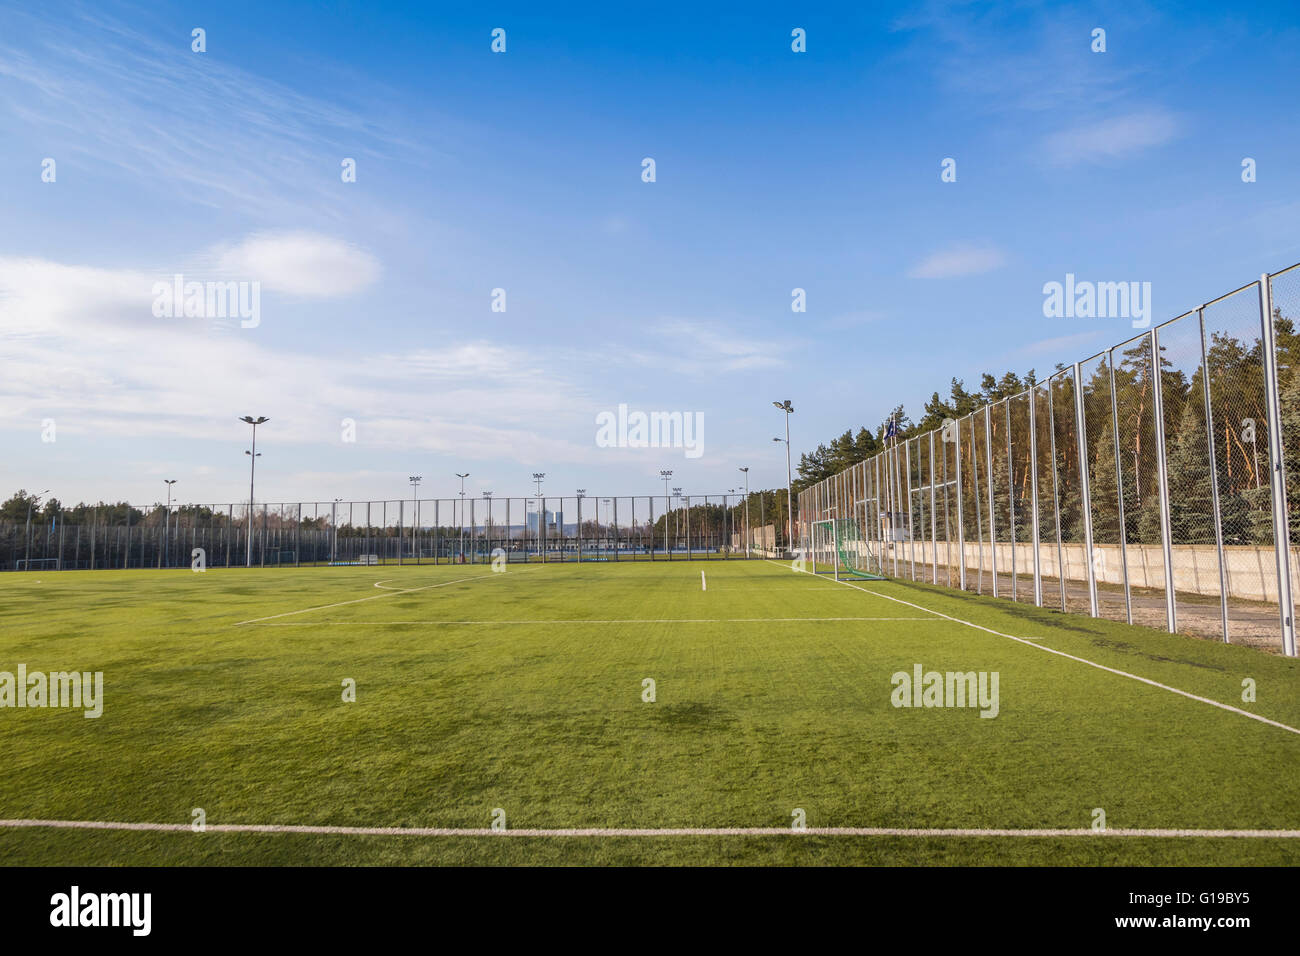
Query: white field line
[642,620]
[374,597]
[649,831]
[1081,660]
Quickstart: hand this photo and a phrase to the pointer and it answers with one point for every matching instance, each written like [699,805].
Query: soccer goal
[37,564]
[840,548]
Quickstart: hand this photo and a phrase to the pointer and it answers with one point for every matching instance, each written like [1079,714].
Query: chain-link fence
[1145,484]
[441,530]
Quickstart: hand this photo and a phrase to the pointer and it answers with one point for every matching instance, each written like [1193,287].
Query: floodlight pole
[581,493]
[786,407]
[665,475]
[747,538]
[334,532]
[462,478]
[252,471]
[539,477]
[415,511]
[165,557]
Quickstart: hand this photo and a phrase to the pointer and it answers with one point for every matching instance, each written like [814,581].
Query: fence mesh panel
[1239,415]
[1285,294]
[1020,530]
[1069,496]
[1191,507]
[1103,485]
[1138,468]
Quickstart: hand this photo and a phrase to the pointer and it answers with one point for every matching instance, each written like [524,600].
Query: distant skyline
[379,349]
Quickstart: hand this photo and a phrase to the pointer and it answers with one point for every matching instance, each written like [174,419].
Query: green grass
[546,720]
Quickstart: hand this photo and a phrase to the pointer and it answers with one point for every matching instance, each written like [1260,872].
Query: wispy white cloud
[958,261]
[300,263]
[1112,138]
[1031,58]
[694,347]
[192,124]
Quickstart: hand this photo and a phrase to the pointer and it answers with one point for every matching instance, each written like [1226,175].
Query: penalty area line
[391,592]
[911,832]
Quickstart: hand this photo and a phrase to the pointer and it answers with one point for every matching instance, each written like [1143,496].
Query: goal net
[840,548]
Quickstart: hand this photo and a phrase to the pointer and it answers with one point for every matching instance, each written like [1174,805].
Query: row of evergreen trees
[1233,376]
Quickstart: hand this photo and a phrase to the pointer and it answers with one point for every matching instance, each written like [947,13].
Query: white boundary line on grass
[392,592]
[1081,660]
[647,831]
[646,620]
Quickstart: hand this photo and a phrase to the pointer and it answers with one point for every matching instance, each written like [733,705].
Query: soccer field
[523,694]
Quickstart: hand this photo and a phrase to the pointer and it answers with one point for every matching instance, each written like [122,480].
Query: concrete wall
[1251,570]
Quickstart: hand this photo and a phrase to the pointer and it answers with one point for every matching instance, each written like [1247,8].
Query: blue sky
[522,171]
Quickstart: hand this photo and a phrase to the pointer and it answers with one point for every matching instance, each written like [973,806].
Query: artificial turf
[532,702]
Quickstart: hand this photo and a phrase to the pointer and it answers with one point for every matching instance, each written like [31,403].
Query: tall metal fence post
[1119,489]
[911,530]
[1277,469]
[1033,500]
[1162,473]
[884,491]
[1214,477]
[1085,492]
[897,510]
[1011,505]
[988,482]
[961,524]
[1056,490]
[934,531]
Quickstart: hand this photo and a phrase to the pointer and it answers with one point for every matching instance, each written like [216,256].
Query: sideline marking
[650,831]
[1081,660]
[646,620]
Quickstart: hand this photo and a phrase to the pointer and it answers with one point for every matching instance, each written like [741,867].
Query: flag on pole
[891,430]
